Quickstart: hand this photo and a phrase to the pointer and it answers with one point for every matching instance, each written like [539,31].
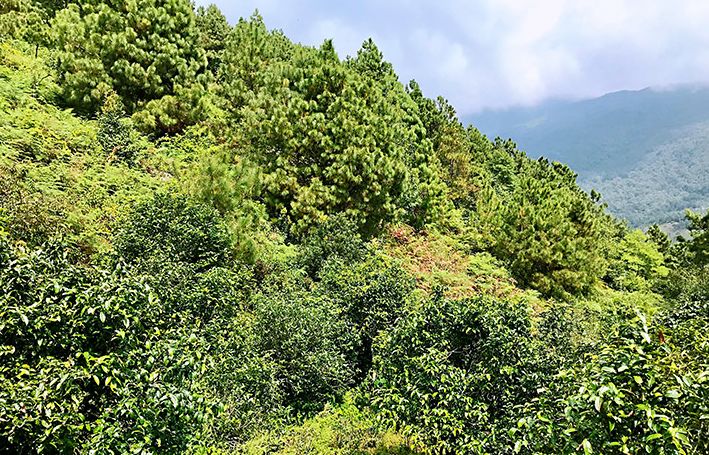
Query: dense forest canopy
[214,240]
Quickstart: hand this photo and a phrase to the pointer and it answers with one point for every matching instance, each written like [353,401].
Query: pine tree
[547,229]
[698,247]
[146,51]
[213,32]
[330,139]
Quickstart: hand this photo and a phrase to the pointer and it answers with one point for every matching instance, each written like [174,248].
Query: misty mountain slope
[672,177]
[646,151]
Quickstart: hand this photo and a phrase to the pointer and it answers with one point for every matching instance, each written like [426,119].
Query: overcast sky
[490,54]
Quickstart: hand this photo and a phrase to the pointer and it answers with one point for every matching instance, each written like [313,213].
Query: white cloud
[495,53]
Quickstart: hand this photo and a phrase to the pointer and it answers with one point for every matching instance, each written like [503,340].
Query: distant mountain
[646,151]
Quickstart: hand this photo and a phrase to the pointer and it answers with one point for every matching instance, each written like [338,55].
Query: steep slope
[298,254]
[645,151]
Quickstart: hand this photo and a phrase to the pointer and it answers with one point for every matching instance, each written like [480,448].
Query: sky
[495,54]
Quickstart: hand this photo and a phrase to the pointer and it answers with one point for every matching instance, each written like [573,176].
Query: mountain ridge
[609,139]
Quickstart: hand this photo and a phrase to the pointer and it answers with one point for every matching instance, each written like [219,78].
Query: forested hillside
[646,152]
[214,240]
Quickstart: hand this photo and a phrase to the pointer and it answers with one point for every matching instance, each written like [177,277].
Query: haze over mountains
[645,151]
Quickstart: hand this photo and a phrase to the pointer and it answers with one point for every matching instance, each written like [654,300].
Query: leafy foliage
[90,355]
[623,400]
[309,257]
[372,295]
[312,346]
[637,263]
[115,133]
[335,238]
[175,229]
[452,371]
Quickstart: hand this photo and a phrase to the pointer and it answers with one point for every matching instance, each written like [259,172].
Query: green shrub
[621,399]
[90,360]
[115,133]
[246,382]
[29,215]
[452,372]
[636,264]
[337,237]
[309,340]
[685,323]
[372,294]
[698,245]
[174,229]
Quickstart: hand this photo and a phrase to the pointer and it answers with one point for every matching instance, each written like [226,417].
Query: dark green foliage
[453,372]
[90,355]
[26,214]
[686,321]
[174,229]
[661,240]
[549,231]
[334,138]
[624,399]
[115,133]
[423,193]
[245,381]
[531,214]
[129,356]
[373,294]
[698,246]
[688,289]
[456,148]
[266,279]
[348,160]
[338,237]
[251,51]
[213,31]
[309,341]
